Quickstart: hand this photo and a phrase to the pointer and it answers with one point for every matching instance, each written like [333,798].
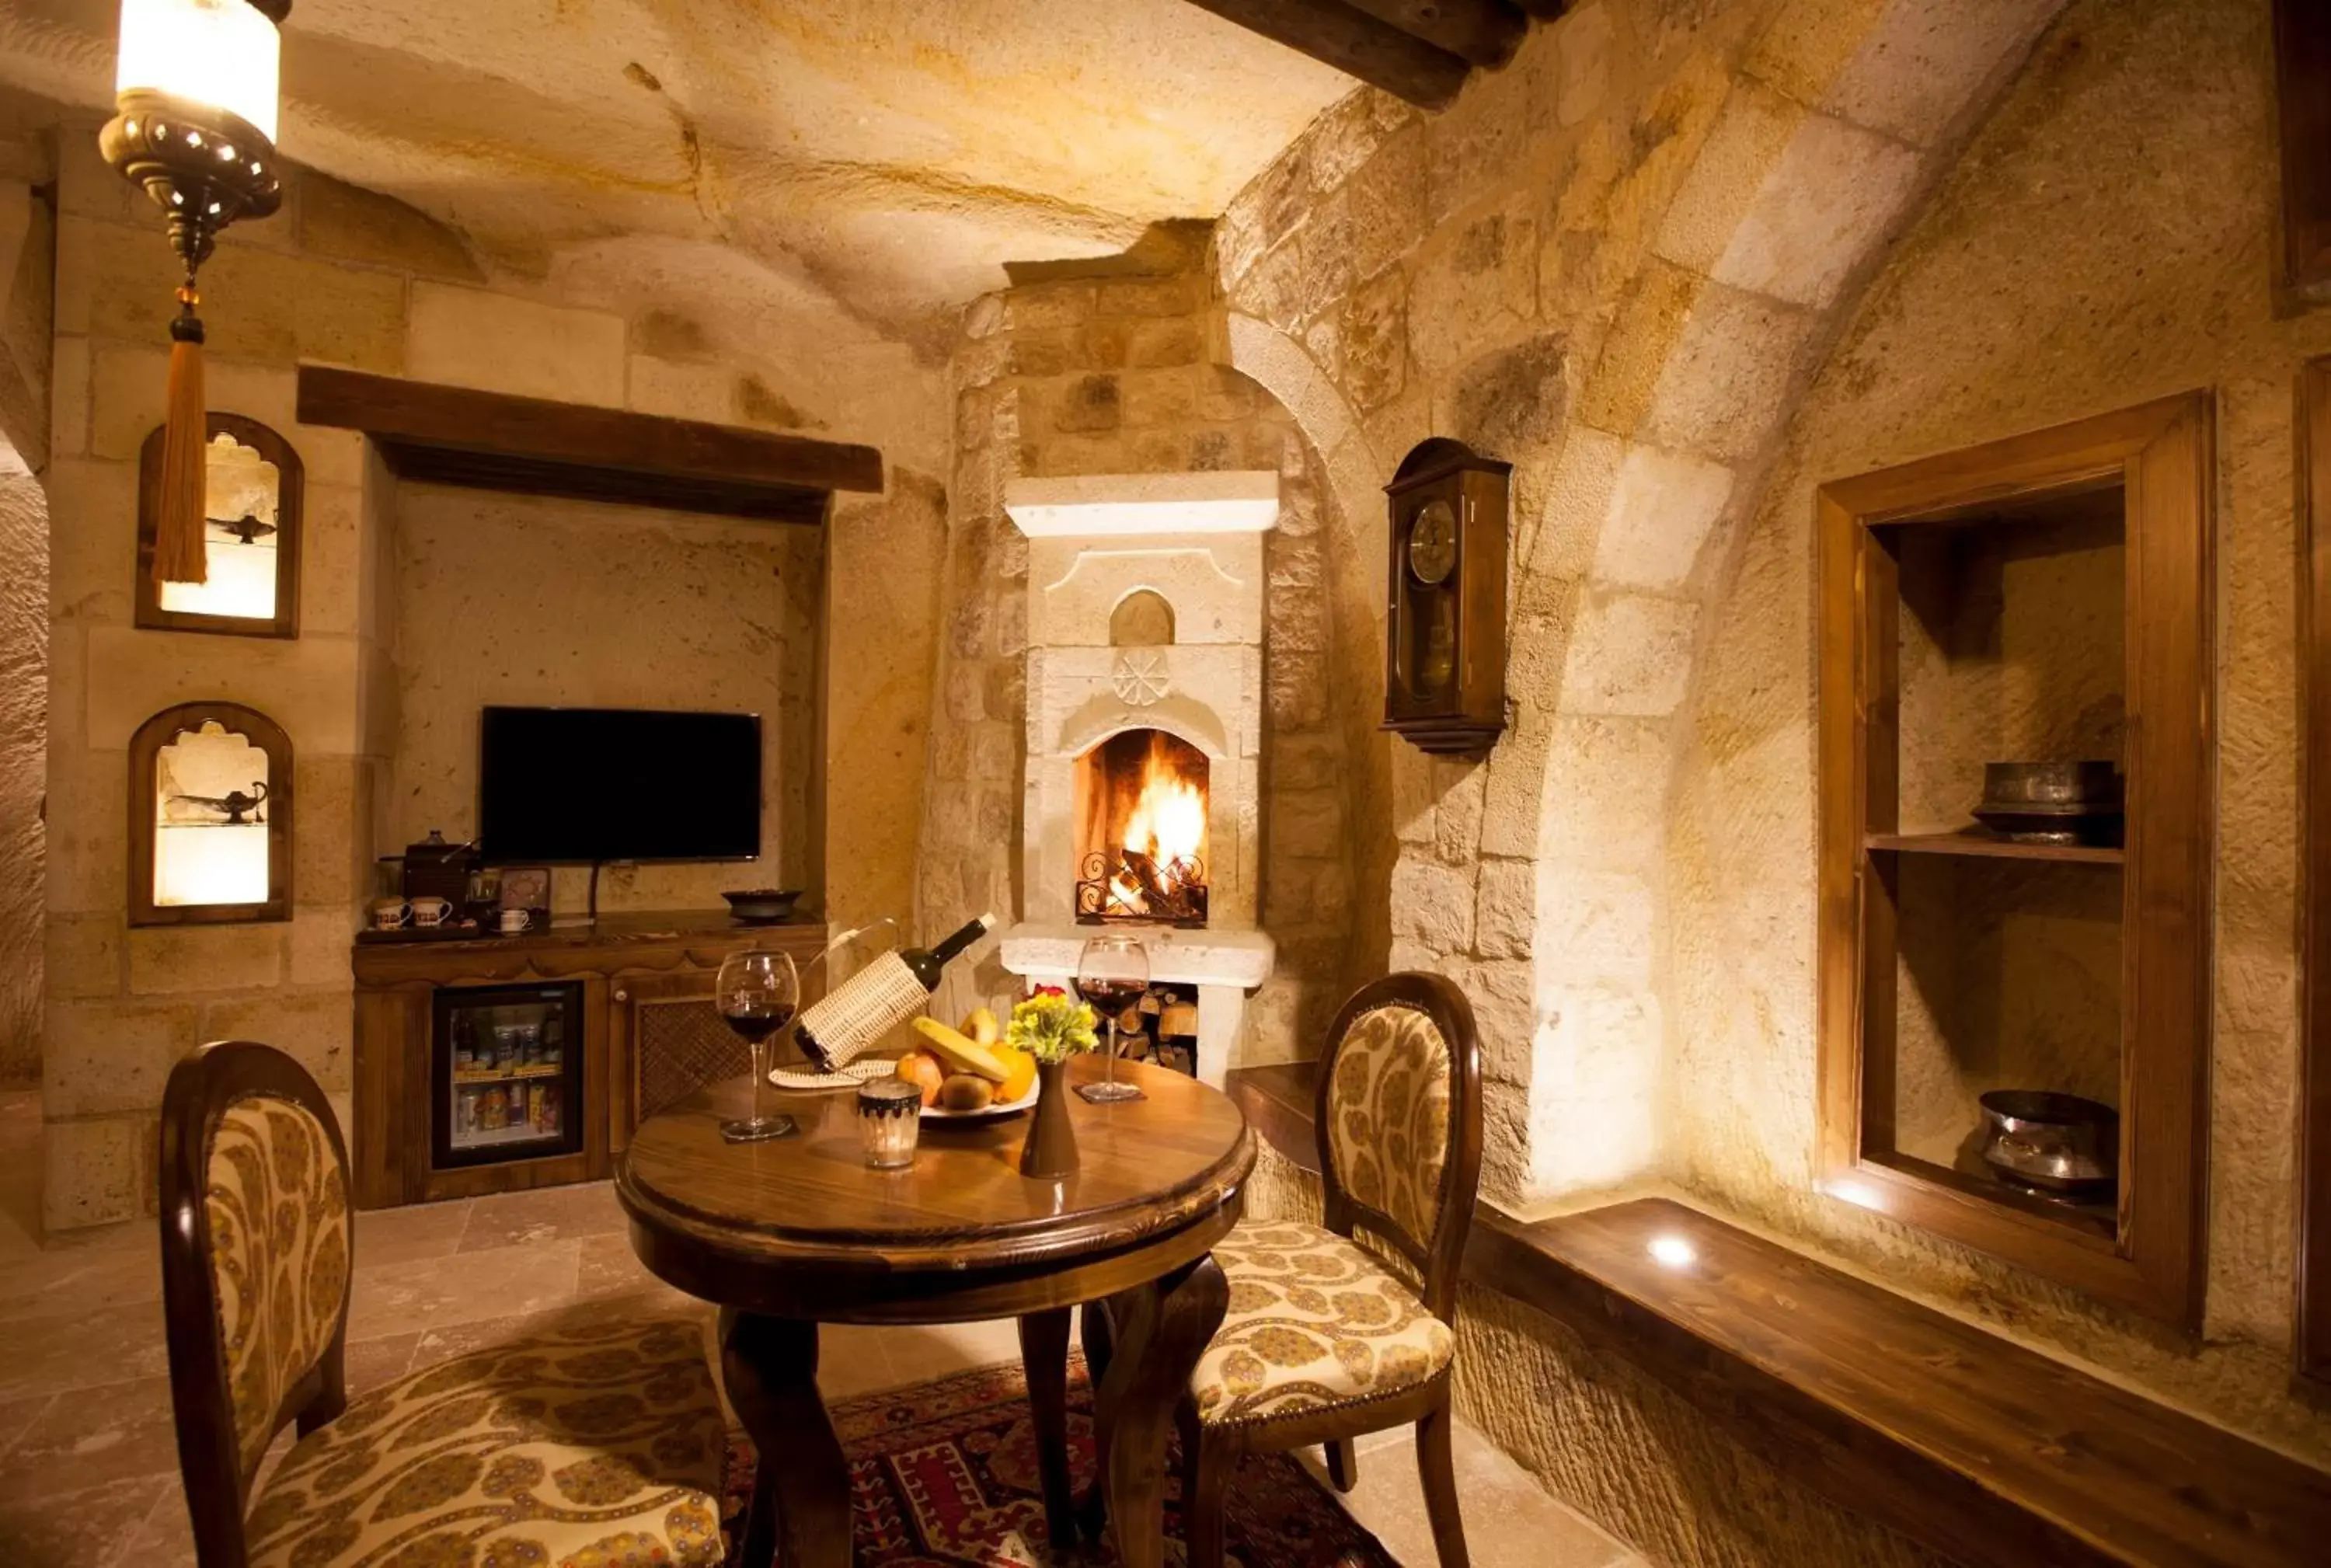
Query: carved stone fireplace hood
[1100,545]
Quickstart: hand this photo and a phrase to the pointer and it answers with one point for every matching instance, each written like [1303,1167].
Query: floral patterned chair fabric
[1314,1323]
[1335,1330]
[278,1218]
[1388,1116]
[593,1447]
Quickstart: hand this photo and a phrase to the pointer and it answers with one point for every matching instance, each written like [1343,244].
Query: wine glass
[756,992]
[1112,974]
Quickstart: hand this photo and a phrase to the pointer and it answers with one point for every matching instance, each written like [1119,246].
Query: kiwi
[964,1092]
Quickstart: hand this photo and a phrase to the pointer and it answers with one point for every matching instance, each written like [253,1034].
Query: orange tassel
[178,552]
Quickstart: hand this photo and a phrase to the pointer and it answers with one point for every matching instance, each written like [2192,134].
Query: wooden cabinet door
[668,1040]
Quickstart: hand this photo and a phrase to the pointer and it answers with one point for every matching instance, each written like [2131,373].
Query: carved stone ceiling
[887,154]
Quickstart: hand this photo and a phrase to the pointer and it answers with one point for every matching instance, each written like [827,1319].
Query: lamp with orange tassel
[195,89]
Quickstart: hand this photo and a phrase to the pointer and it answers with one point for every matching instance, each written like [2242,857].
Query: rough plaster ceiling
[887,155]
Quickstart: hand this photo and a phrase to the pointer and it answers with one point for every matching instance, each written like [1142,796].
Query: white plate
[986,1112]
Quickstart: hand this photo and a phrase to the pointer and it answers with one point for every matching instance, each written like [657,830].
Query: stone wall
[2117,220]
[346,277]
[27,247]
[529,601]
[23,752]
[1613,263]
[1104,370]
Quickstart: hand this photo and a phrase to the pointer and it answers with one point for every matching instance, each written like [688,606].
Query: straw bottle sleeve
[836,1029]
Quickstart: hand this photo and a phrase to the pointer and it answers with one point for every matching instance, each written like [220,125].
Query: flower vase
[1051,1150]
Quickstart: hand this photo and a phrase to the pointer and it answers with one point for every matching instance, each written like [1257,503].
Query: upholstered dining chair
[1345,1328]
[600,1444]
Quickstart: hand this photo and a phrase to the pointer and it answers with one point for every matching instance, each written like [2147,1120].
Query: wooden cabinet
[2043,598]
[641,985]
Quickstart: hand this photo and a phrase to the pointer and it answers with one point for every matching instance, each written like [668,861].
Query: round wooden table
[788,1234]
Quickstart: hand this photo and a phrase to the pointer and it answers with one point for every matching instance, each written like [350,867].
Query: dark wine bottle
[835,1029]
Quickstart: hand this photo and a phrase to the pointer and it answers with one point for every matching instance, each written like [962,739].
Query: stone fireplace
[1144,732]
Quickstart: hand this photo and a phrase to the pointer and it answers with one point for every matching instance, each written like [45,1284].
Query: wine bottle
[839,1026]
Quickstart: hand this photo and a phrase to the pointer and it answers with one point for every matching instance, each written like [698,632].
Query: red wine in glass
[757,994]
[1112,974]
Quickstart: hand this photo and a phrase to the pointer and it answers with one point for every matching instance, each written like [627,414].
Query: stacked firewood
[1161,1025]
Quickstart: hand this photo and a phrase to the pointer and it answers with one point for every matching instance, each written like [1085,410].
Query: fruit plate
[987,1113]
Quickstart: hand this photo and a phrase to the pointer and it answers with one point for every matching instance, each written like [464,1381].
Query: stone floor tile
[18,1416]
[113,1432]
[409,1234]
[941,1350]
[1509,1521]
[166,1537]
[543,1214]
[91,1527]
[78,1280]
[373,1362]
[81,1350]
[450,1340]
[608,1266]
[466,1288]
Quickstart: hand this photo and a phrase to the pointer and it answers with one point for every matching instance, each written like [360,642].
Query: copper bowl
[2058,1143]
[2052,802]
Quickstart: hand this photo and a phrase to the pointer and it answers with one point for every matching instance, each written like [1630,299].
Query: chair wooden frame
[201,1090]
[1211,1453]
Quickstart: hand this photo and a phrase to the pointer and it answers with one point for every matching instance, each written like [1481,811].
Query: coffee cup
[389,914]
[513,921]
[431,911]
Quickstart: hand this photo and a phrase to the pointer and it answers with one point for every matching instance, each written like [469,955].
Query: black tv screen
[572,785]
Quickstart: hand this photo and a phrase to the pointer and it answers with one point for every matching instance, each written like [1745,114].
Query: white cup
[390,914]
[431,911]
[513,921]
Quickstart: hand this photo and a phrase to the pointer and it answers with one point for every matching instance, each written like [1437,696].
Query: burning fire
[1165,833]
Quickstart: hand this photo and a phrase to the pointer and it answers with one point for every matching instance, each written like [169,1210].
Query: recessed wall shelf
[2043,598]
[1992,846]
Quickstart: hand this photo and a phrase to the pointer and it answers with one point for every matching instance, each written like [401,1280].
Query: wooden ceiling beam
[1355,43]
[1484,33]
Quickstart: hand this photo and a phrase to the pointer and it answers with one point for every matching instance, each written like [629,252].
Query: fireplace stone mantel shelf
[1224,965]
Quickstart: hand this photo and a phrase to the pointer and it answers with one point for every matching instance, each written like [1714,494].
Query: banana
[961,1052]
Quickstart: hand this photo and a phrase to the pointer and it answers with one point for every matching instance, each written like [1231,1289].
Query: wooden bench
[1983,1450]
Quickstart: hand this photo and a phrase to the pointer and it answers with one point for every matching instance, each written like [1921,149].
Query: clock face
[1433,543]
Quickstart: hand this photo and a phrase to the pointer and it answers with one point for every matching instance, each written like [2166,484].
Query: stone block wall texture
[23,761]
[2116,218]
[341,276]
[533,601]
[1613,263]
[1109,373]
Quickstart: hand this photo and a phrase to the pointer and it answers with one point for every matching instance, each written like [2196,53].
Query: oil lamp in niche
[210,817]
[195,89]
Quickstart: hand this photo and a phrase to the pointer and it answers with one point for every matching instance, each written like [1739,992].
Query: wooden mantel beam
[1355,43]
[492,441]
[1484,33]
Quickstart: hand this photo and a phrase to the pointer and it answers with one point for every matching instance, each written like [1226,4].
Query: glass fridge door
[508,1073]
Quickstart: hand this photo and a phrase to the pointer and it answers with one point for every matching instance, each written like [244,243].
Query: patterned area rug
[945,1473]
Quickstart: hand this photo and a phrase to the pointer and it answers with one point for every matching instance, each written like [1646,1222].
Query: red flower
[1049,990]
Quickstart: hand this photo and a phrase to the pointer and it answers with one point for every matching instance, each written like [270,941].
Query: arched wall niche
[1142,619]
[210,817]
[255,509]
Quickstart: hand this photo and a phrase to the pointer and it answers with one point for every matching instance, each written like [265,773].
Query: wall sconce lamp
[195,87]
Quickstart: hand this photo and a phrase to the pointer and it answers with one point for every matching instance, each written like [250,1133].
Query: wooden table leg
[1162,1329]
[1044,1355]
[770,1367]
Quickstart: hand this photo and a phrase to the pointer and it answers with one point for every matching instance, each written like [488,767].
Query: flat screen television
[577,785]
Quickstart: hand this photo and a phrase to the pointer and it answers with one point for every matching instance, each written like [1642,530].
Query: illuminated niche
[251,536]
[210,817]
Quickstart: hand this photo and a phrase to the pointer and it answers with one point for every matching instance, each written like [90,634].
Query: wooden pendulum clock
[1445,624]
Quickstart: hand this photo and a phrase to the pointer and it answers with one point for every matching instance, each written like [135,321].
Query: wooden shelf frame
[2311,1325]
[2162,455]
